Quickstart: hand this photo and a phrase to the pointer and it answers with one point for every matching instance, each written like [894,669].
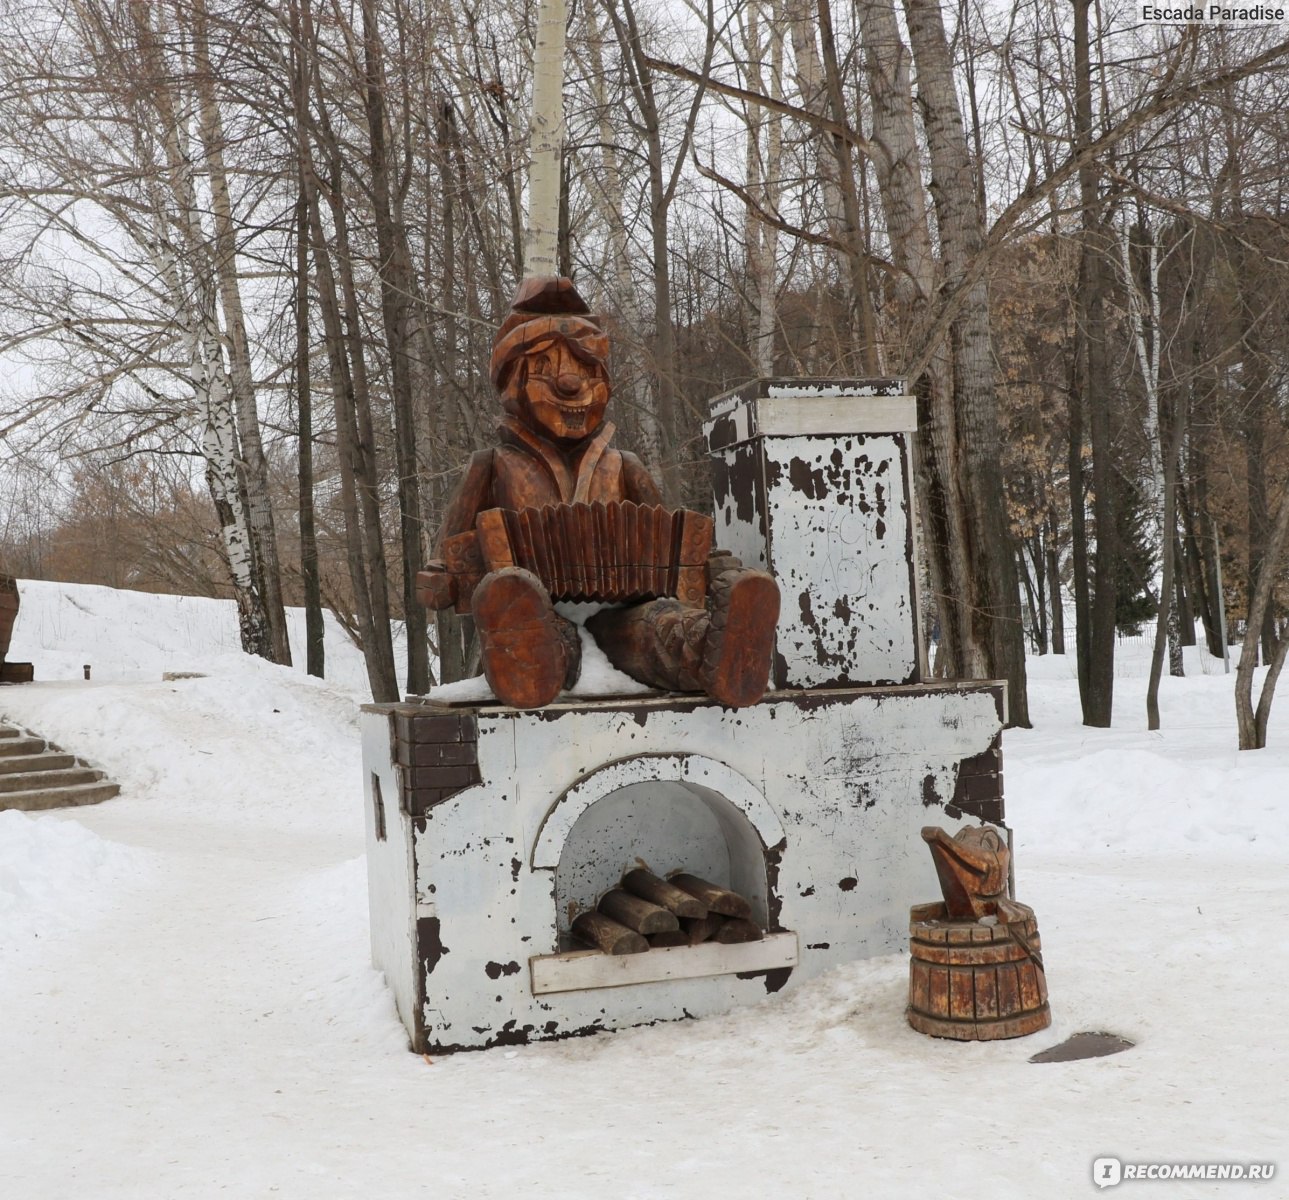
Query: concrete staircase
[34,774]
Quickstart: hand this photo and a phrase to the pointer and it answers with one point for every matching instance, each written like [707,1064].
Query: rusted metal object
[976,969]
[584,521]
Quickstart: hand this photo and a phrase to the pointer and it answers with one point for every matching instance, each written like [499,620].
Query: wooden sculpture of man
[554,449]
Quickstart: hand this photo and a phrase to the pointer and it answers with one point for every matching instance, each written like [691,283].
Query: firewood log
[648,886]
[636,913]
[701,929]
[674,937]
[716,898]
[604,933]
[736,930]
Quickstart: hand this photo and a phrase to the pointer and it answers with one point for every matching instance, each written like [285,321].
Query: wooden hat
[546,306]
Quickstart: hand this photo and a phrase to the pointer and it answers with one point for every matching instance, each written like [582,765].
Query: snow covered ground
[187,1006]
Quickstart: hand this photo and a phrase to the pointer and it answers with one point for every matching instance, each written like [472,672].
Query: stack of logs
[647,912]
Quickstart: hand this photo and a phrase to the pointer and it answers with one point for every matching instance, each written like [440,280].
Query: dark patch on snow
[1083,1045]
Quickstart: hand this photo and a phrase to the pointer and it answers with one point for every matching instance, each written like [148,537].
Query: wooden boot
[744,613]
[723,650]
[529,651]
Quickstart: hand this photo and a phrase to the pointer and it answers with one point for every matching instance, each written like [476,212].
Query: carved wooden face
[560,394]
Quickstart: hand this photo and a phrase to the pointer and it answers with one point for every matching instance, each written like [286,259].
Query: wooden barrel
[975,982]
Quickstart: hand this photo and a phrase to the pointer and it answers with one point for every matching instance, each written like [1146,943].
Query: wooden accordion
[614,552]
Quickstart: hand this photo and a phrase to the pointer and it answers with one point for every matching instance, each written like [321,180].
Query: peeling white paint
[811,803]
[827,511]
[839,779]
[582,969]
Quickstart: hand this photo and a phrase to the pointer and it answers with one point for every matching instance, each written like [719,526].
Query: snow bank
[250,751]
[56,875]
[199,1017]
[1145,801]
[250,755]
[1184,788]
[125,635]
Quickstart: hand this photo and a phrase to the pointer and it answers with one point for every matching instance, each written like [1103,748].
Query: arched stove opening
[665,825]
[675,811]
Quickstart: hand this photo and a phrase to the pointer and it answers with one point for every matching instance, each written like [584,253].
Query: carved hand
[435,588]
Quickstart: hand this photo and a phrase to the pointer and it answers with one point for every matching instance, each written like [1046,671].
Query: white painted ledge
[785,413]
[580,970]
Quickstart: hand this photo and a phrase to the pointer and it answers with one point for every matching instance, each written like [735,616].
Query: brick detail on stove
[978,791]
[436,757]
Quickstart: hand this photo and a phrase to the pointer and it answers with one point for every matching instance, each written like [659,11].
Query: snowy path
[219,1033]
[187,1006]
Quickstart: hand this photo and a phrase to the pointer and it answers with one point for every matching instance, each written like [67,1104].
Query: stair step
[21,745]
[8,731]
[51,760]
[26,781]
[62,797]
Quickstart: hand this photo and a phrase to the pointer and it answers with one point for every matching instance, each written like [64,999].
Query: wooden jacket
[528,471]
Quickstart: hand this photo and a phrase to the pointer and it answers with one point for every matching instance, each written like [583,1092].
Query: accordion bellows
[619,551]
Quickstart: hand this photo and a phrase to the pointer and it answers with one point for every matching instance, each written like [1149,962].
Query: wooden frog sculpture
[554,511]
[972,867]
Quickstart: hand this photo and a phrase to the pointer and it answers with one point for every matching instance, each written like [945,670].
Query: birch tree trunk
[194,296]
[546,144]
[899,180]
[1143,319]
[995,647]
[255,465]
[221,452]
